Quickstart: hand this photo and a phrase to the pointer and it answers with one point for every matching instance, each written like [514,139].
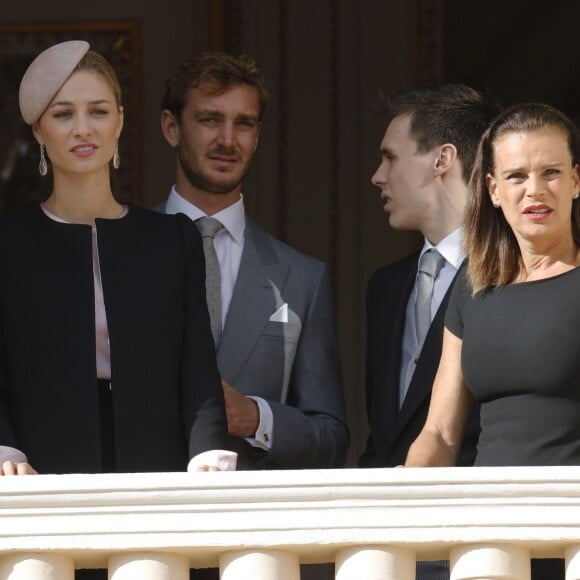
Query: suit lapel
[256,296]
[422,381]
[394,337]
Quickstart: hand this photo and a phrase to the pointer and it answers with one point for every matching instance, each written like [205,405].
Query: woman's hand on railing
[12,468]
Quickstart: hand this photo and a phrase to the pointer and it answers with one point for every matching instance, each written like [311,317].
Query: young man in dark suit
[427,154]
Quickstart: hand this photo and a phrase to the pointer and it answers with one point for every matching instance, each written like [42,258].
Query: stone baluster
[259,565]
[148,566]
[37,567]
[490,561]
[385,562]
[573,563]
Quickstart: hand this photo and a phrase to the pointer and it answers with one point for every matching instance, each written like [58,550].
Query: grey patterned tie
[208,227]
[429,266]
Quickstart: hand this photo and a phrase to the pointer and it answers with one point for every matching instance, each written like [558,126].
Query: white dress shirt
[229,242]
[229,245]
[451,249]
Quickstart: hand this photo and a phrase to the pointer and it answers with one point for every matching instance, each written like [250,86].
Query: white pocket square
[281,315]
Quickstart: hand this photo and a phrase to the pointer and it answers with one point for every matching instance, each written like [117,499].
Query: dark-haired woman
[512,333]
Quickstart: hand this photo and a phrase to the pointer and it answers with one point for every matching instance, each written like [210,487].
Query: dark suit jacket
[167,399]
[392,430]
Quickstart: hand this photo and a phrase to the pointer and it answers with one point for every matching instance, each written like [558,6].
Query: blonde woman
[106,357]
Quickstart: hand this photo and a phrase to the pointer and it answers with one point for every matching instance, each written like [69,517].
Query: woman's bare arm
[440,439]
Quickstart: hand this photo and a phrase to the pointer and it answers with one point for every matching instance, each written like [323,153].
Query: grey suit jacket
[295,365]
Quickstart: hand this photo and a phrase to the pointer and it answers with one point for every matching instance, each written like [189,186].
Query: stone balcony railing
[373,524]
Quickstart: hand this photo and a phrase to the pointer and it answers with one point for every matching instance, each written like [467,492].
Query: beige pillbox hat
[46,75]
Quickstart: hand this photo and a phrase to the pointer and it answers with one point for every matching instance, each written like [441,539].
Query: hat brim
[46,75]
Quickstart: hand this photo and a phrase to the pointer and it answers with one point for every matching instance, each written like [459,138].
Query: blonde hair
[93,61]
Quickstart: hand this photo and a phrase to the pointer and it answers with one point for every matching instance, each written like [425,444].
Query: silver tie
[208,227]
[429,266]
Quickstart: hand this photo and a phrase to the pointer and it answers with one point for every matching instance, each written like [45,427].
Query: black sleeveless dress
[521,360]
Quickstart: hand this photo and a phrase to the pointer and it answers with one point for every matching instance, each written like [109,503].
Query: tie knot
[208,227]
[431,262]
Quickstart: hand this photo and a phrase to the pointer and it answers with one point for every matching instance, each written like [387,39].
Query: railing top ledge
[351,479]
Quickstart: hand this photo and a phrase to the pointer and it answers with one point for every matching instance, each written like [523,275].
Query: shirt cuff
[264,433]
[220,458]
[11,454]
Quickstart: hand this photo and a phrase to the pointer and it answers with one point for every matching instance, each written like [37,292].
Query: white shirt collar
[232,217]
[450,247]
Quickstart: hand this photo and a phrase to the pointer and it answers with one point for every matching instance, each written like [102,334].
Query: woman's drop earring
[116,157]
[42,166]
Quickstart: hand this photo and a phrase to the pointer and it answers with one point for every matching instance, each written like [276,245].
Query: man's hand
[206,468]
[242,412]
[213,460]
[12,468]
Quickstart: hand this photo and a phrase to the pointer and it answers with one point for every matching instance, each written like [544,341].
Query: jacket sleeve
[203,400]
[369,457]
[7,435]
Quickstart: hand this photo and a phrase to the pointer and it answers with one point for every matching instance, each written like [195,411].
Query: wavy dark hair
[493,252]
[217,72]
